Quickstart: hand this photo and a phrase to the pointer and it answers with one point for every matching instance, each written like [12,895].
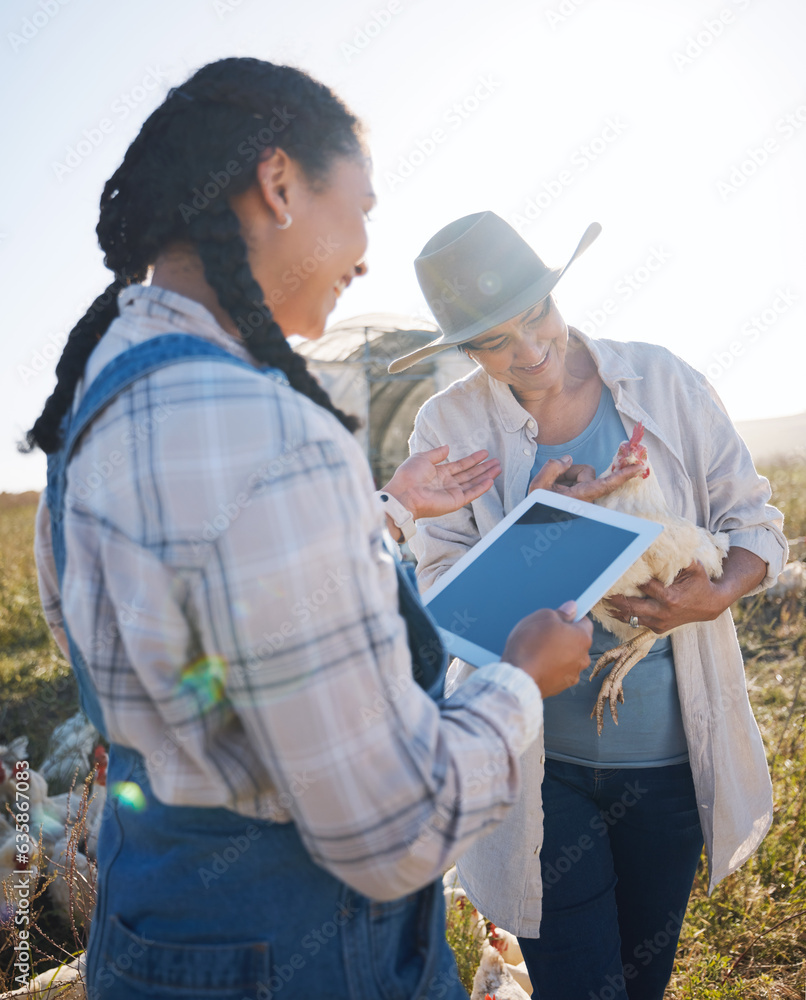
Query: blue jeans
[619,855]
[203,903]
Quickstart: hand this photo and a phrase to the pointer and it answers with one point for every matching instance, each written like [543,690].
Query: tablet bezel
[645,531]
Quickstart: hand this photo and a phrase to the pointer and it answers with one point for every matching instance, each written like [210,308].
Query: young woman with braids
[285,783]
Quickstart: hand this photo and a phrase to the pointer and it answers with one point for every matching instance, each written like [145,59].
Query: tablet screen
[545,557]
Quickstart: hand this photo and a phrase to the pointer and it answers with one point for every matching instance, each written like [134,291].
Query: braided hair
[198,148]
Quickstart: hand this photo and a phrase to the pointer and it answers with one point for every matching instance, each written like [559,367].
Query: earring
[287,223]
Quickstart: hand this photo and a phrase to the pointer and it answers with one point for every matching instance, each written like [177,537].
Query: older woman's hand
[560,475]
[428,486]
[692,596]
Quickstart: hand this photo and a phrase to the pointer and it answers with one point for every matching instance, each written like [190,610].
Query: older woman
[596,888]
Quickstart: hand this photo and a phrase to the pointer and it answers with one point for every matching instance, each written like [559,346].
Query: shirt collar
[165,311]
[611,366]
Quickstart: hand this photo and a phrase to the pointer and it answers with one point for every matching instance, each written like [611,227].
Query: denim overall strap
[121,372]
[429,660]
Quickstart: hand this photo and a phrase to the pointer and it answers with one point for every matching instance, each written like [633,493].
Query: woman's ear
[276,176]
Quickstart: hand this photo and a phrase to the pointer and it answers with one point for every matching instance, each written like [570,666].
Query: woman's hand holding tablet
[551,647]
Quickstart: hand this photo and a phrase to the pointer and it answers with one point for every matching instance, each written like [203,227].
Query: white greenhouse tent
[351,361]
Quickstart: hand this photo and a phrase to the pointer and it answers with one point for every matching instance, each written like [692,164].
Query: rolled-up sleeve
[739,497]
[439,542]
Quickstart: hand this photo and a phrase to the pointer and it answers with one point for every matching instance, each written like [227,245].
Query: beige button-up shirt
[707,475]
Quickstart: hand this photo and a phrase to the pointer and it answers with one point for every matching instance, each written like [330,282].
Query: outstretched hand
[579,481]
[428,486]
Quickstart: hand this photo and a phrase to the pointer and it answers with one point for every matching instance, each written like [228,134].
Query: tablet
[548,550]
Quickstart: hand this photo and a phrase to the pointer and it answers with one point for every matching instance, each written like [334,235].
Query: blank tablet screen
[546,557]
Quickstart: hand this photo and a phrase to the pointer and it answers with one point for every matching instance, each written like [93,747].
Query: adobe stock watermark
[709,30]
[385,698]
[258,482]
[106,637]
[740,172]
[586,154]
[547,533]
[564,10]
[119,110]
[454,118]
[624,289]
[364,35]
[31,26]
[135,433]
[247,151]
[221,861]
[644,953]
[473,783]
[751,333]
[41,358]
[53,346]
[291,280]
[109,971]
[302,612]
[224,7]
[570,854]
[283,973]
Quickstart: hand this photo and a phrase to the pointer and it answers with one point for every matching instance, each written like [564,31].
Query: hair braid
[222,249]
[46,431]
[226,111]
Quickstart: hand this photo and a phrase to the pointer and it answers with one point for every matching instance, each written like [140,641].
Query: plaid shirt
[230,588]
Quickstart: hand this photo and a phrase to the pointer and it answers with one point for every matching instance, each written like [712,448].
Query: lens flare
[205,680]
[129,794]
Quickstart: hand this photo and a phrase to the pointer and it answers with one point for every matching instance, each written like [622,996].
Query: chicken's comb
[637,434]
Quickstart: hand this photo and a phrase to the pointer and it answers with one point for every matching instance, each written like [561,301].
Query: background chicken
[493,980]
[680,544]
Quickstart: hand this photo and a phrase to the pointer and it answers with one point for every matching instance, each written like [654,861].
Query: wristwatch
[404,519]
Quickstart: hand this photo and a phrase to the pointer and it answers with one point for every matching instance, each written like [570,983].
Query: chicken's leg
[624,657]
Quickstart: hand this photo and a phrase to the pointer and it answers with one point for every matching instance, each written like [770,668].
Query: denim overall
[203,903]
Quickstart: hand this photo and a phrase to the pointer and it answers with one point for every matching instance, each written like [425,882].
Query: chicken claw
[624,657]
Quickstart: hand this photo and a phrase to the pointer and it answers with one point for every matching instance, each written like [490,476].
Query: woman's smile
[537,336]
[539,365]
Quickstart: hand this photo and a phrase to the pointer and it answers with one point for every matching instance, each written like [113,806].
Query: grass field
[747,941]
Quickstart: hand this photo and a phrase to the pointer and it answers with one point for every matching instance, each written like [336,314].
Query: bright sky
[681,127]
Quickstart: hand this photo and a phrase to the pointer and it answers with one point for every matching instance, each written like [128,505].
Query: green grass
[745,942]
[38,687]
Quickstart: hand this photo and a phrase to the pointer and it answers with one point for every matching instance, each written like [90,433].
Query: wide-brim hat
[478,272]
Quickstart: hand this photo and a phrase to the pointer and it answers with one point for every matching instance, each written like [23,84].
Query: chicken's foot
[624,657]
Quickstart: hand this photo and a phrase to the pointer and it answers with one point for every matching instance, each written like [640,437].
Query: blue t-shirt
[650,730]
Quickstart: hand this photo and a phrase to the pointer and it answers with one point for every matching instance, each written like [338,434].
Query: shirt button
[527,451]
[542,758]
[530,424]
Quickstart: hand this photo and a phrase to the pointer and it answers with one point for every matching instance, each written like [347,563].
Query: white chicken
[681,543]
[493,980]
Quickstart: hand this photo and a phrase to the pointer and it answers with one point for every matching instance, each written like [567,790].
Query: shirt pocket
[232,971]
